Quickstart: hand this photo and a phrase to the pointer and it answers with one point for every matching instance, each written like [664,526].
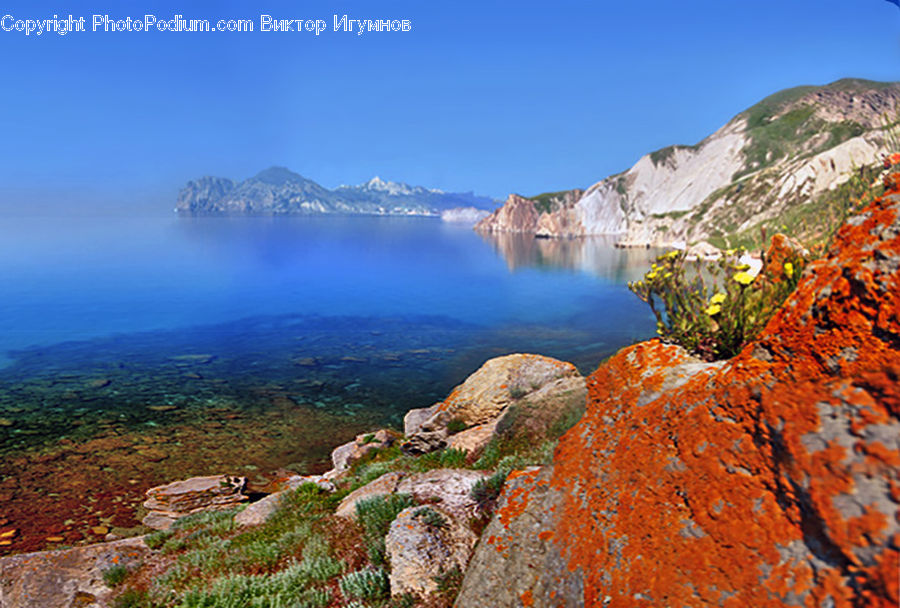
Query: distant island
[279,191]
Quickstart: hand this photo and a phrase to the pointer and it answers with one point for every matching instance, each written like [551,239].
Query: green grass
[365,584]
[115,575]
[375,515]
[548,202]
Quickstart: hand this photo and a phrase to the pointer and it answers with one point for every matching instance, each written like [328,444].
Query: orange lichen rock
[772,479]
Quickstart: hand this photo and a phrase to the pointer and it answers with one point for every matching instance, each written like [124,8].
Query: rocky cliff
[772,479]
[774,163]
[278,191]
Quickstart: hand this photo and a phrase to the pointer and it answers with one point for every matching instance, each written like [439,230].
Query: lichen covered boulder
[770,480]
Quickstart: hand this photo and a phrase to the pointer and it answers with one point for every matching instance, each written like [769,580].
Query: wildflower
[729,251]
[788,269]
[650,275]
[743,277]
[713,309]
[672,254]
[667,275]
[717,299]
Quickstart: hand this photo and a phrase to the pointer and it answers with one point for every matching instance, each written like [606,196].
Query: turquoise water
[131,318]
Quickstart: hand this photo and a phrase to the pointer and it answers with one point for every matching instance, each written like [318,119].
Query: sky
[493,97]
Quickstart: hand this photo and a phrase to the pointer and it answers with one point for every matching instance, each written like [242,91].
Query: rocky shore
[770,479]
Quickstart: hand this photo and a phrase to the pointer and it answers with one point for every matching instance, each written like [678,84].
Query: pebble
[55,539]
[161,408]
[6,422]
[100,530]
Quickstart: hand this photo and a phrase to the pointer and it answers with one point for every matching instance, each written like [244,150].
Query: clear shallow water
[144,350]
[132,318]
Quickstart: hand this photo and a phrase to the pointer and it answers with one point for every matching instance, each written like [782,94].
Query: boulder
[448,488]
[424,544]
[767,480]
[344,456]
[166,504]
[473,440]
[413,420]
[386,484]
[66,578]
[483,396]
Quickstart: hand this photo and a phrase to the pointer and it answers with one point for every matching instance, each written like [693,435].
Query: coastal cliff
[777,163]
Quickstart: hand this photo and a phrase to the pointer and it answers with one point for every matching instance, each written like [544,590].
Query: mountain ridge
[280,191]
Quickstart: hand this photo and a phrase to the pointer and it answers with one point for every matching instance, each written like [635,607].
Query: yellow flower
[717,299]
[713,309]
[744,278]
[672,254]
[788,269]
[650,275]
[729,252]
[667,275]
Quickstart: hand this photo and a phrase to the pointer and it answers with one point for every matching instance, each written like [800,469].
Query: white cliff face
[785,152]
[675,181]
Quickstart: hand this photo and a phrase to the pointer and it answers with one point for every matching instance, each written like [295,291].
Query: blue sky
[488,96]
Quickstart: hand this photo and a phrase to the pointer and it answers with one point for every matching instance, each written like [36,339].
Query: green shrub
[490,456]
[449,583]
[456,426]
[365,584]
[430,517]
[485,491]
[375,516]
[115,575]
[155,540]
[132,598]
[712,310]
[517,392]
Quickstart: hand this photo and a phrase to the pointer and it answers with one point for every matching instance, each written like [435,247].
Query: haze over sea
[83,295]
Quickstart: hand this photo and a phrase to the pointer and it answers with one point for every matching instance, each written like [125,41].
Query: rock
[473,440]
[484,396]
[344,456]
[448,488]
[386,484]
[424,441]
[175,500]
[703,251]
[770,479]
[423,544]
[413,420]
[260,511]
[6,422]
[66,578]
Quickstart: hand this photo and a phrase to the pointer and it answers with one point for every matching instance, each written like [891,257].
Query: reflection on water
[596,255]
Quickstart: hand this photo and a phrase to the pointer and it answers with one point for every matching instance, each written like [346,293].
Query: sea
[137,350]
